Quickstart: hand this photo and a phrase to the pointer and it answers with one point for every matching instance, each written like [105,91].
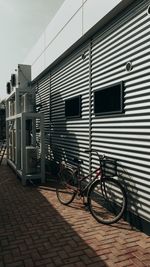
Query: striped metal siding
[126,137]
[43,97]
[70,137]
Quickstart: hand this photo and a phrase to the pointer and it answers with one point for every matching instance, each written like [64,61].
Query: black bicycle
[105,196]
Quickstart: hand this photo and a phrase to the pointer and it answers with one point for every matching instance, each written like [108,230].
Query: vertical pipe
[7,128]
[17,145]
[90,121]
[42,148]
[23,148]
[7,138]
[50,111]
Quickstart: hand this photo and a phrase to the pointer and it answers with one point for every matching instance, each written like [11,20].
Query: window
[109,100]
[73,107]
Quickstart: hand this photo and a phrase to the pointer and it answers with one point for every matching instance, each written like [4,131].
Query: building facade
[94,92]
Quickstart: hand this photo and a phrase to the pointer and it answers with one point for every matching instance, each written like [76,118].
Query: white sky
[21,24]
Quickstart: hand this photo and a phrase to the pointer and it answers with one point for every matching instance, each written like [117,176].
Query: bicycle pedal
[86,206]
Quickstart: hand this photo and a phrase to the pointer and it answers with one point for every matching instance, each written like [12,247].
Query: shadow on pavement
[32,231]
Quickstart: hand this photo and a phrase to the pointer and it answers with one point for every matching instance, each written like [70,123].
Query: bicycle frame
[80,179]
[99,175]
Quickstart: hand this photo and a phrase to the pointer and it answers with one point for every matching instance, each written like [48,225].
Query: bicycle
[106,198]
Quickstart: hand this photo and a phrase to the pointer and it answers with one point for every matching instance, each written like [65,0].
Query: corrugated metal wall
[126,137]
[69,137]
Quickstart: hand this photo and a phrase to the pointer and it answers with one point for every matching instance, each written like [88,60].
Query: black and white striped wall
[98,63]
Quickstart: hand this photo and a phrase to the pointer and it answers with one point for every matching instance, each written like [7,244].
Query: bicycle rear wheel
[65,191]
[107,200]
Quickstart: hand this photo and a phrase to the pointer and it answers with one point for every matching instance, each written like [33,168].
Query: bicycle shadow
[77,204]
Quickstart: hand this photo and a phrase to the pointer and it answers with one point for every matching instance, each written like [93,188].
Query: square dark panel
[73,107]
[109,100]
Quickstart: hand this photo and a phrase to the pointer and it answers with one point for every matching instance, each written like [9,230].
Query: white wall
[73,19]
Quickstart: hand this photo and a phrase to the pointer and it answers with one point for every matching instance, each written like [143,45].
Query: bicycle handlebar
[91,150]
[88,150]
[101,157]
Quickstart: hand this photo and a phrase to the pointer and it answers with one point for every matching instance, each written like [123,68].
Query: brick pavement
[36,230]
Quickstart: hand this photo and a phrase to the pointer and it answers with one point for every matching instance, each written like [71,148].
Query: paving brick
[98,264]
[138,263]
[1,264]
[144,243]
[28,263]
[57,261]
[15,264]
[146,262]
[62,254]
[4,243]
[72,265]
[71,259]
[37,231]
[8,258]
[16,252]
[79,264]
[35,255]
[50,265]
[76,253]
[85,259]
[43,262]
[89,252]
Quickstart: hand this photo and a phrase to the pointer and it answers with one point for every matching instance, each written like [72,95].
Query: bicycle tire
[65,194]
[107,200]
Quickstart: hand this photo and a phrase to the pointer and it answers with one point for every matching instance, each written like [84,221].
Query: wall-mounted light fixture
[129,66]
[148,10]
[83,56]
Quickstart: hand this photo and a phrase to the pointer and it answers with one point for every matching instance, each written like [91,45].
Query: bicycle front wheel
[107,200]
[65,189]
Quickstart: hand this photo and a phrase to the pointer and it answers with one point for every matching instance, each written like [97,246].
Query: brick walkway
[36,230]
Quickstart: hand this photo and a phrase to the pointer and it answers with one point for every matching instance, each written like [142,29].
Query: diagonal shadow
[78,205]
[34,233]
